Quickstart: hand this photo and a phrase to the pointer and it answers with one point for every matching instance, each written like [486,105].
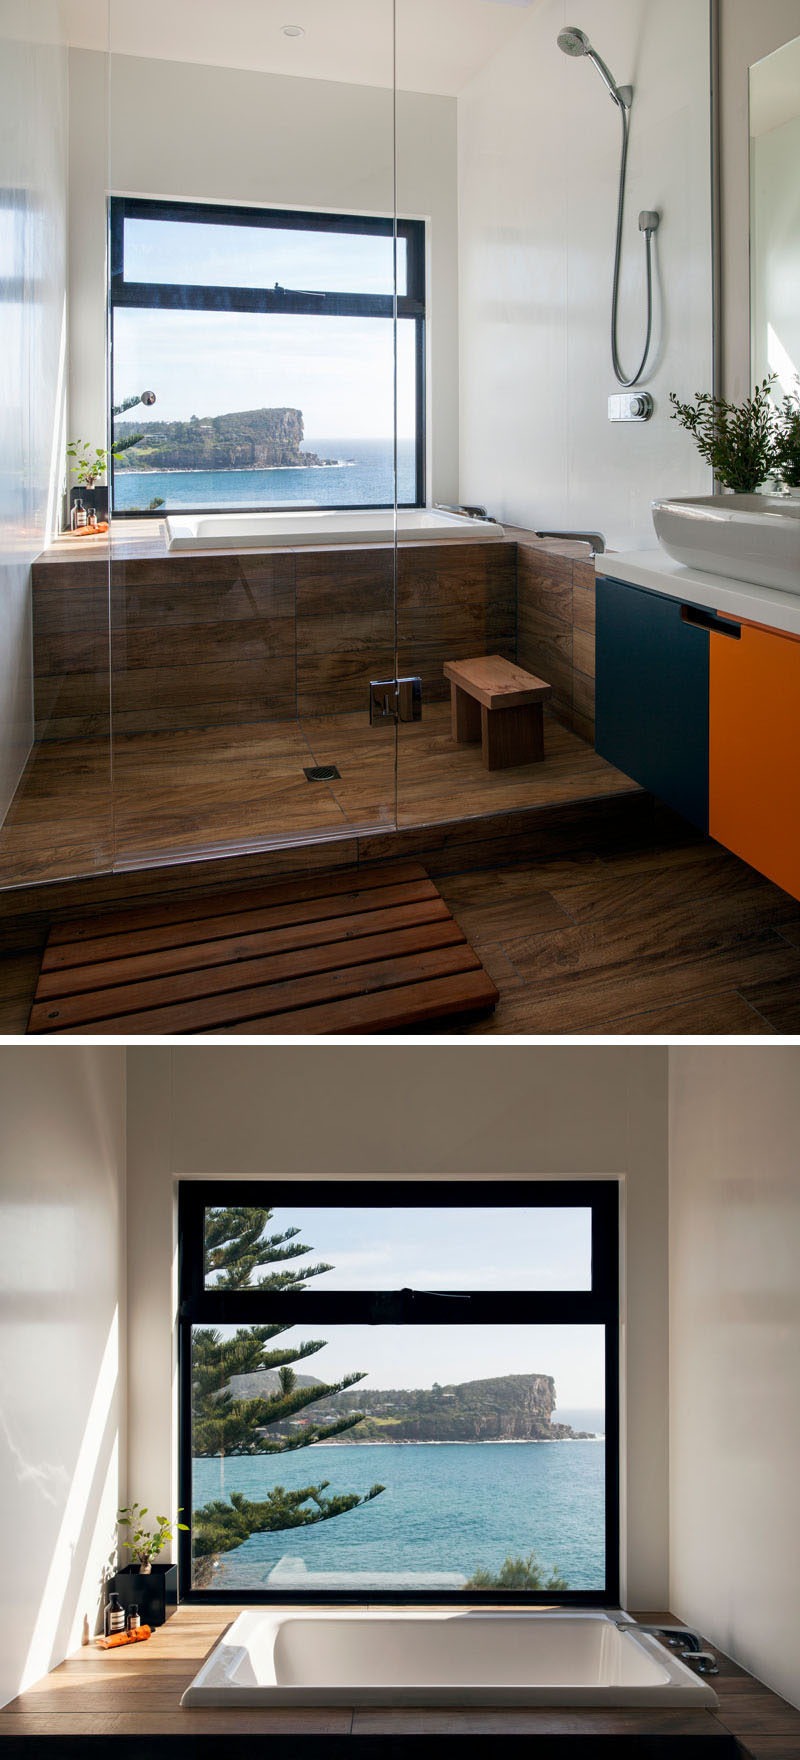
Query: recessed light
[292,30]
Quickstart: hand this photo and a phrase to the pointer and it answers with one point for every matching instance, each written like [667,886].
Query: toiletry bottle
[78,516]
[113,1616]
[91,520]
[132,1621]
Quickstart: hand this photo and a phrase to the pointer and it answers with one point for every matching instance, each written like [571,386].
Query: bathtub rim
[680,1688]
[181,535]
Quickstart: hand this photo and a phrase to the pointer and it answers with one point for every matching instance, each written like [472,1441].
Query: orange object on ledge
[118,1638]
[86,531]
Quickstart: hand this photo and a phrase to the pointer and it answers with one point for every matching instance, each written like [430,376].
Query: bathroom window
[269,339]
[401,1391]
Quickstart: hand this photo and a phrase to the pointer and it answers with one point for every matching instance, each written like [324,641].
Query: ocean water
[447,1508]
[366,475]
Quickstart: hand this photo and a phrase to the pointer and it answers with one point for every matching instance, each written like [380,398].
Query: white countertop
[717,592]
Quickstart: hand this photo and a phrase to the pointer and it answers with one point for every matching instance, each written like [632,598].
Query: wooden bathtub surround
[494,701]
[555,624]
[223,638]
[95,1701]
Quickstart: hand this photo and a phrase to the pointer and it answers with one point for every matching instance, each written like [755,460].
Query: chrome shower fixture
[575,42]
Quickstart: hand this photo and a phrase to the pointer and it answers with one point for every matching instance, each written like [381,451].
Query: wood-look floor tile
[723,1012]
[778,1002]
[573,982]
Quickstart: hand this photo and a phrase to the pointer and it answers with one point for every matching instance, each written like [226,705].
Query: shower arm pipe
[625,93]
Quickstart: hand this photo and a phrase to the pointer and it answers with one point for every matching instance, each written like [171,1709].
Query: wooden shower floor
[214,789]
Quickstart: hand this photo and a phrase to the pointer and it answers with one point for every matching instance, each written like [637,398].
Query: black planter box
[96,498]
[155,1593]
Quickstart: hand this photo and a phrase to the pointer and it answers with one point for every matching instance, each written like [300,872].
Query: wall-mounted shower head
[575,42]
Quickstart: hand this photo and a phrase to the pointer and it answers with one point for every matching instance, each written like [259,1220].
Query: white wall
[734,1352]
[62,1392]
[221,134]
[367,1113]
[33,171]
[747,33]
[538,166]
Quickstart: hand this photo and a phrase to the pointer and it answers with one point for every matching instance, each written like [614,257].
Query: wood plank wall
[555,629]
[221,639]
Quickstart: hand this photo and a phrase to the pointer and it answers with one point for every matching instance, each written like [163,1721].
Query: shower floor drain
[322,773]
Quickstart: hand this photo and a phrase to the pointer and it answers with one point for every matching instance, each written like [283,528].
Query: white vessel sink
[748,537]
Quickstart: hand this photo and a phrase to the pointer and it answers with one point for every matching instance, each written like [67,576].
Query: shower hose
[648,235]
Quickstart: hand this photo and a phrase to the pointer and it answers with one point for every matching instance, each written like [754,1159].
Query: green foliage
[89,462]
[127,403]
[143,1543]
[240,1254]
[788,441]
[157,501]
[125,445]
[738,440]
[517,1573]
[220,1526]
[225,1424]
[236,1247]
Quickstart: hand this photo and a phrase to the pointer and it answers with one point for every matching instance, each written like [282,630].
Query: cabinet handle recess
[719,626]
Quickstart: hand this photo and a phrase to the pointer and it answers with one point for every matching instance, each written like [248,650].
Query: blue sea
[447,1509]
[365,476]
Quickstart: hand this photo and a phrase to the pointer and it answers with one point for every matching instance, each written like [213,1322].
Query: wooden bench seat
[496,702]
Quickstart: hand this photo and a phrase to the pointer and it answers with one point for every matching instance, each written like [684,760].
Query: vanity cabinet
[754,750]
[651,707]
[704,711]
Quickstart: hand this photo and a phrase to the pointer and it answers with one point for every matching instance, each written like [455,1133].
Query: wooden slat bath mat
[360,951]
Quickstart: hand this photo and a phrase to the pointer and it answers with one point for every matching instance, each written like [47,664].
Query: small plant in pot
[145,1544]
[787,445]
[738,440]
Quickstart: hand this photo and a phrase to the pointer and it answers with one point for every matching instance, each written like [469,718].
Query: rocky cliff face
[250,439]
[501,1408]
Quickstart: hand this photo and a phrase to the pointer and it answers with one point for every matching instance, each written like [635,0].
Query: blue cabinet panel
[651,715]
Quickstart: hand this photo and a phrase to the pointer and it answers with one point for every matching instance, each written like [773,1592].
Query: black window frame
[598,1305]
[179,296]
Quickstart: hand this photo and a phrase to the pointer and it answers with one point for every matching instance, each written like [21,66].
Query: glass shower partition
[55,776]
[251,396]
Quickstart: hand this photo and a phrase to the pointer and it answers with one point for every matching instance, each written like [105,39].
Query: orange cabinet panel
[754,750]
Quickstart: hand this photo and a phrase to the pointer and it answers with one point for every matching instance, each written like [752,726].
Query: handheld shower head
[575,42]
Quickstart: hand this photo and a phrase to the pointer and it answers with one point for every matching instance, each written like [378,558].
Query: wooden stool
[494,701]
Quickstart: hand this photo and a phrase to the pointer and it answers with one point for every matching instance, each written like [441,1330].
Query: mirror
[775,217]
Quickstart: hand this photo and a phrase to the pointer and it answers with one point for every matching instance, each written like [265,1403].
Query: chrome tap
[678,1638]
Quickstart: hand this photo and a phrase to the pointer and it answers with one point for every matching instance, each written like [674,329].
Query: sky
[450,1248]
[338,371]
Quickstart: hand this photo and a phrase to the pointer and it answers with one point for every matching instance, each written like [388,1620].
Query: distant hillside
[250,439]
[500,1408]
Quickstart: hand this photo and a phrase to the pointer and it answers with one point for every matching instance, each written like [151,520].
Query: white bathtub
[398,1656]
[238,531]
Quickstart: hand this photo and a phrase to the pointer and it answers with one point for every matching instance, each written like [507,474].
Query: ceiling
[441,43]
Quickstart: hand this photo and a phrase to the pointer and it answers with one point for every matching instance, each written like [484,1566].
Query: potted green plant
[90,463]
[145,1544]
[787,447]
[738,440]
[152,1586]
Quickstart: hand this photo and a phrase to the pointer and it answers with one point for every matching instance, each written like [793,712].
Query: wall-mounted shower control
[630,406]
